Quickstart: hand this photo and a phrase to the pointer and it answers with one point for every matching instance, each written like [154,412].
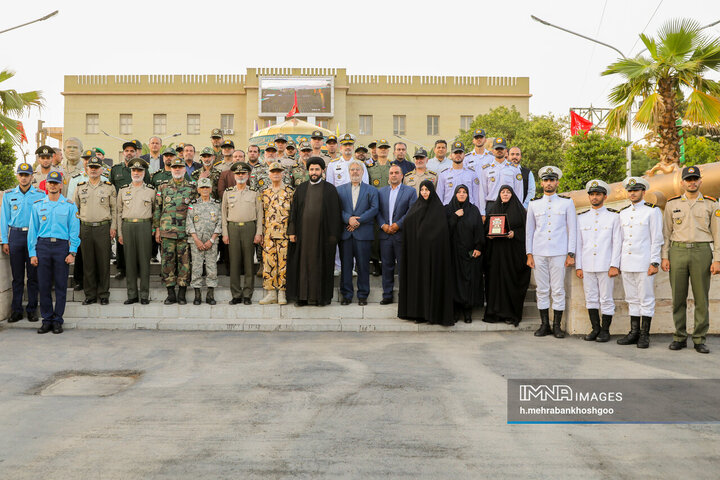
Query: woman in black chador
[426,280]
[467,238]
[507,275]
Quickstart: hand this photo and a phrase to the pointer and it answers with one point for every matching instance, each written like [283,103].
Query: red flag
[23,137]
[294,110]
[579,124]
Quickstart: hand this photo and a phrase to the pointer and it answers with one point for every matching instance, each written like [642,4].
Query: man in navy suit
[395,201]
[359,203]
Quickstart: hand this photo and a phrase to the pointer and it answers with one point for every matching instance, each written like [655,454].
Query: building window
[322,123]
[227,121]
[465,122]
[433,125]
[193,124]
[125,123]
[366,125]
[159,124]
[92,123]
[399,124]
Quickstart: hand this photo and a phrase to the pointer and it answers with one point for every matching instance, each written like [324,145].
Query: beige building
[418,108]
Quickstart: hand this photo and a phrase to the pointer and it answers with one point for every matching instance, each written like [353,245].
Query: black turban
[316,161]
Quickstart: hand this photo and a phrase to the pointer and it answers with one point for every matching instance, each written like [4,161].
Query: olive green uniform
[134,214]
[96,209]
[379,175]
[692,243]
[242,214]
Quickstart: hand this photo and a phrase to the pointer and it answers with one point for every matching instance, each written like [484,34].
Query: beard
[315,178]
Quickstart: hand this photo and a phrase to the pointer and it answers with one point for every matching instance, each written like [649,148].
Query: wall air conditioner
[228,131]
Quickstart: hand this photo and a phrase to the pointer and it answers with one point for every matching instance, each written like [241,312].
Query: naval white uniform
[494,175]
[599,244]
[337,172]
[550,234]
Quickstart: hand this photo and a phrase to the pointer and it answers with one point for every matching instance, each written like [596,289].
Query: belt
[19,229]
[241,224]
[136,220]
[687,245]
[53,240]
[95,224]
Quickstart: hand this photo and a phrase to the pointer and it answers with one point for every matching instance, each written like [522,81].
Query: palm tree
[15,104]
[671,73]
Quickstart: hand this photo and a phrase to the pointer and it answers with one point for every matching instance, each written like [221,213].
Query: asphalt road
[325,405]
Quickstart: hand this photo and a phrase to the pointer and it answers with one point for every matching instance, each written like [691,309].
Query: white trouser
[550,277]
[639,293]
[599,292]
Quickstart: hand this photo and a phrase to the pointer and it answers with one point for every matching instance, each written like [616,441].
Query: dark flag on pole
[579,124]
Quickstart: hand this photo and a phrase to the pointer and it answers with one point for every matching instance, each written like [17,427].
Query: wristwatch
[73,253]
[655,264]
[571,255]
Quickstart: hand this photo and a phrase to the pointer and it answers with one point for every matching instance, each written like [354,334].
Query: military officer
[299,171]
[316,140]
[497,173]
[227,148]
[216,139]
[415,177]
[242,215]
[208,170]
[290,150]
[204,226]
[165,173]
[53,240]
[82,177]
[691,228]
[597,261]
[17,206]
[171,206]
[550,240]
[96,201]
[378,171]
[337,170]
[641,224]
[459,174]
[45,165]
[281,144]
[479,156]
[260,175]
[331,144]
[275,202]
[135,204]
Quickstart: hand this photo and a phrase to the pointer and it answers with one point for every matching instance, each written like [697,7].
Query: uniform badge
[485,166]
[339,176]
[298,181]
[678,221]
[15,207]
[518,176]
[492,179]
[376,182]
[43,218]
[477,181]
[168,198]
[261,182]
[450,184]
[127,202]
[717,213]
[196,218]
[77,214]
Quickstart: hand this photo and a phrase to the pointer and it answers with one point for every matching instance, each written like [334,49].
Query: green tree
[14,104]
[541,140]
[675,66]
[7,166]
[498,122]
[593,156]
[699,150]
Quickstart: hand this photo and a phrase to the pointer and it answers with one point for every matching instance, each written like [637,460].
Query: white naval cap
[636,183]
[549,172]
[597,185]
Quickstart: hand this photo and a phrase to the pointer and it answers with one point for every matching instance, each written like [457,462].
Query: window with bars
[193,124]
[92,123]
[159,124]
[433,124]
[399,124]
[125,123]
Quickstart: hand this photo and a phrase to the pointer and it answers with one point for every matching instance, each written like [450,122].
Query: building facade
[420,109]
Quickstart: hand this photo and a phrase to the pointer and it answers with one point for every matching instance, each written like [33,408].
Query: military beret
[207,151]
[317,134]
[44,151]
[228,143]
[458,147]
[100,150]
[54,177]
[689,172]
[24,168]
[420,153]
[499,142]
[204,182]
[216,133]
[382,143]
[169,151]
[549,172]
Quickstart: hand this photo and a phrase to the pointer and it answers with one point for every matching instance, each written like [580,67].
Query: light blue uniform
[437,166]
[451,178]
[54,220]
[16,209]
[531,190]
[476,160]
[493,176]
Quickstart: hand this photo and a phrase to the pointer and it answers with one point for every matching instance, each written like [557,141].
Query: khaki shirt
[690,222]
[223,166]
[239,206]
[38,176]
[96,203]
[414,179]
[134,203]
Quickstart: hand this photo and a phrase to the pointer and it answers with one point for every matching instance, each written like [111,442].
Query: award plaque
[497,226]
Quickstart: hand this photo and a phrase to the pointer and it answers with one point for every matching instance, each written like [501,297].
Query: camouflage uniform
[171,206]
[203,219]
[276,213]
[299,173]
[260,177]
[213,175]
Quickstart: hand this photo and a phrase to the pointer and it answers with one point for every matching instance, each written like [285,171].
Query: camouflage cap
[290,145]
[228,143]
[420,153]
[207,151]
[271,146]
[44,151]
[54,177]
[275,166]
[139,163]
[177,162]
[169,151]
[280,138]
[204,182]
[305,146]
[216,133]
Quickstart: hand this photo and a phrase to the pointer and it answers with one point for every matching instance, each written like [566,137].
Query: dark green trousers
[692,264]
[241,250]
[95,246]
[137,237]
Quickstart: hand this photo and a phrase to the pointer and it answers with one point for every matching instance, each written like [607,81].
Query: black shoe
[89,301]
[78,286]
[701,348]
[15,317]
[45,328]
[198,297]
[119,275]
[144,301]
[632,337]
[644,338]
[171,298]
[376,269]
[676,345]
[467,316]
[181,296]
[594,315]
[32,316]
[345,301]
[247,301]
[604,334]
[386,301]
[210,296]
[362,301]
[544,324]
[301,303]
[57,327]
[557,320]
[130,301]
[104,301]
[235,301]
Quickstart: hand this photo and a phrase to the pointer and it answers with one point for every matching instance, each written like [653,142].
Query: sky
[366,37]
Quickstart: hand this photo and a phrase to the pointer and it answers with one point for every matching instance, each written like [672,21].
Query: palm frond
[703,109]
[616,120]
[6,74]
[648,113]
[650,44]
[629,67]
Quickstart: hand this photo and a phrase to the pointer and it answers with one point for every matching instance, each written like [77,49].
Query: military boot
[198,297]
[210,297]
[604,334]
[181,295]
[594,315]
[557,320]
[644,338]
[632,337]
[282,299]
[270,297]
[171,296]
[544,324]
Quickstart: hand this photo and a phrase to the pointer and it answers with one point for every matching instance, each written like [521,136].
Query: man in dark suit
[395,201]
[359,202]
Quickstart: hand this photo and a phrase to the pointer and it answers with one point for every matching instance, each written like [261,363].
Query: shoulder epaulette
[536,198]
[40,200]
[711,198]
[674,198]
[584,211]
[77,175]
[564,196]
[81,183]
[8,190]
[409,173]
[612,210]
[108,183]
[430,171]
[626,206]
[651,205]
[485,166]
[217,163]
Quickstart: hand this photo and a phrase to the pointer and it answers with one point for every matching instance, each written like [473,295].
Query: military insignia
[492,179]
[15,207]
[77,214]
[261,182]
[631,181]
[298,181]
[477,181]
[196,218]
[450,184]
[339,176]
[594,184]
[717,213]
[485,166]
[102,199]
[678,221]
[518,176]
[24,166]
[168,198]
[376,182]
[43,218]
[127,202]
